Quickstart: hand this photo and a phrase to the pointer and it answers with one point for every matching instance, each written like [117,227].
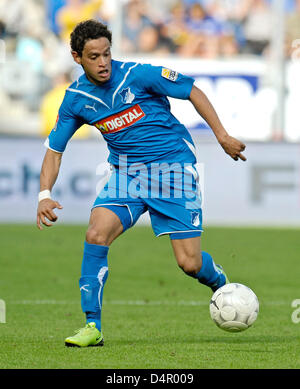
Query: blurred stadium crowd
[37,64]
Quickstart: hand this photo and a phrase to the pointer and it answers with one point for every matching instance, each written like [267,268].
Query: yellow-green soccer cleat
[222,271]
[217,285]
[89,336]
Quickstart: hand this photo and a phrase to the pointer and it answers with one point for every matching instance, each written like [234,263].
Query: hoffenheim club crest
[195,216]
[127,95]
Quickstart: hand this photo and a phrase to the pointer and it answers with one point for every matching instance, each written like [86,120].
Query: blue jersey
[132,112]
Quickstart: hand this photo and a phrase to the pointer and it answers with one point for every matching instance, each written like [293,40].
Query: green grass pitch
[154,316]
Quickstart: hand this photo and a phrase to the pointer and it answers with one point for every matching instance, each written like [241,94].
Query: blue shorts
[171,196]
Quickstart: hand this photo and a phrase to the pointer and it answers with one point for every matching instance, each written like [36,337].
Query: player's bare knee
[95,236]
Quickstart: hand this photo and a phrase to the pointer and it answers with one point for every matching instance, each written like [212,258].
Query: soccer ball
[234,307]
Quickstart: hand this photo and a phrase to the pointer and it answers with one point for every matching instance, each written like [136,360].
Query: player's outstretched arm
[203,106]
[48,176]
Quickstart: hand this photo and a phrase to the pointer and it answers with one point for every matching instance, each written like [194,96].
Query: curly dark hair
[84,31]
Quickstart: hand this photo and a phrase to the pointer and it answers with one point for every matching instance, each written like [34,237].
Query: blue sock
[94,272]
[209,274]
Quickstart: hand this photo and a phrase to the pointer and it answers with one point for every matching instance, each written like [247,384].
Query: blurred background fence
[244,54]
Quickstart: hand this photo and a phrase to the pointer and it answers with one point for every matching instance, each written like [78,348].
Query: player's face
[96,60]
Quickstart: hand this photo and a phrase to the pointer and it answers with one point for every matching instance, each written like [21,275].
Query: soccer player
[127,102]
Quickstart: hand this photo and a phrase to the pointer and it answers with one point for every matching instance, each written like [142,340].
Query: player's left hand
[233,147]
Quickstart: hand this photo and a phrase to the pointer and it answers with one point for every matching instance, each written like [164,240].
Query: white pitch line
[132,302]
[107,302]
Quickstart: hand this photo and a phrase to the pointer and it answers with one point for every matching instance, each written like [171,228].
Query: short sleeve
[165,82]
[66,125]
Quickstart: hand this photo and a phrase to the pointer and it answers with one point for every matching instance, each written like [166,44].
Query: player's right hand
[233,147]
[45,210]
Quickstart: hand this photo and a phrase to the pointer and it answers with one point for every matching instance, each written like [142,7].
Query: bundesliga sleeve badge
[169,74]
[55,126]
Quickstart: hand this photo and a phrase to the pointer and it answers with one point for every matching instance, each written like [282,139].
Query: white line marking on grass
[132,302]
